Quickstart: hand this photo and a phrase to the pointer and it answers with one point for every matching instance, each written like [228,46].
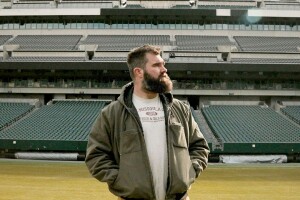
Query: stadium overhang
[50,12]
[243,67]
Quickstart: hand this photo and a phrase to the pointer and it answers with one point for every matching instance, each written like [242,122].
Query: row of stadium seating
[205,130]
[45,59]
[62,120]
[144,24]
[269,44]
[130,6]
[265,60]
[204,43]
[292,112]
[125,43]
[250,124]
[177,84]
[174,5]
[4,38]
[46,42]
[123,59]
[178,4]
[12,111]
[63,4]
[71,120]
[127,39]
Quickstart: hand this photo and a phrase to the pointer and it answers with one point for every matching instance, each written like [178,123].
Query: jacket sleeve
[198,147]
[100,159]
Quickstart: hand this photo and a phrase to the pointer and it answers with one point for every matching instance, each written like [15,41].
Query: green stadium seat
[250,124]
[61,121]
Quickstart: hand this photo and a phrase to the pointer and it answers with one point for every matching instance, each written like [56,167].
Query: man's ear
[138,72]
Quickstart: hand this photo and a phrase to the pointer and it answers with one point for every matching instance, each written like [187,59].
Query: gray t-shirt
[152,116]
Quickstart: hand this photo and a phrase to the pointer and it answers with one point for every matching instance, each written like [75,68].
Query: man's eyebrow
[158,63]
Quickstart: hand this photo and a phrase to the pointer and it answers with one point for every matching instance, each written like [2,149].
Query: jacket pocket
[129,142]
[183,173]
[133,179]
[179,139]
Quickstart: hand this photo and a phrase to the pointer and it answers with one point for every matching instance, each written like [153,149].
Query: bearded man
[146,145]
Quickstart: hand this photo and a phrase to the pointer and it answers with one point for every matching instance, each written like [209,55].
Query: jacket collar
[126,96]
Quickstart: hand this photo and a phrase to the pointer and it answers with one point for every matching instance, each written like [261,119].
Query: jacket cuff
[197,168]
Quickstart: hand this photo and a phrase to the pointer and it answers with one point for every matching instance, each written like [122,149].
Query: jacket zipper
[168,149]
[146,158]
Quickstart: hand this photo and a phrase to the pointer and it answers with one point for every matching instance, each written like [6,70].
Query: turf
[45,180]
[258,181]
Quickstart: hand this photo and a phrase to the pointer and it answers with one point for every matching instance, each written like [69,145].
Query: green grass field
[45,180]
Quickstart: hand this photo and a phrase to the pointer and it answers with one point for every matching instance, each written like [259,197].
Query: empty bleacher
[197,118]
[45,59]
[252,127]
[85,4]
[265,60]
[134,6]
[46,42]
[57,126]
[293,112]
[268,44]
[205,130]
[125,42]
[25,5]
[109,59]
[11,111]
[4,38]
[64,126]
[282,5]
[230,4]
[201,43]
[60,4]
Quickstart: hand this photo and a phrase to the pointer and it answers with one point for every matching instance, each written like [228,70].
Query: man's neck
[144,94]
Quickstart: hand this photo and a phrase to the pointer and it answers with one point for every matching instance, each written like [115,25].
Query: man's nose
[163,69]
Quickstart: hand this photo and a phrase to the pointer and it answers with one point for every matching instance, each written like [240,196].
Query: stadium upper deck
[221,47]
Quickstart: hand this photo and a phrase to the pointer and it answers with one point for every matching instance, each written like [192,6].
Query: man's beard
[158,85]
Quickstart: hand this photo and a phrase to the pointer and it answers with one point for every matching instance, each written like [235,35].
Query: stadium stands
[277,5]
[227,4]
[84,4]
[251,125]
[45,59]
[201,43]
[46,42]
[115,59]
[195,85]
[134,6]
[265,60]
[212,141]
[10,112]
[268,44]
[40,4]
[32,5]
[4,38]
[293,112]
[54,125]
[125,42]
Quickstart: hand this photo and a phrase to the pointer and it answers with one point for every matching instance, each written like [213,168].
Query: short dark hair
[136,57]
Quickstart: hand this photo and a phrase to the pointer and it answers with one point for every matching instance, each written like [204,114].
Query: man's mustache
[164,76]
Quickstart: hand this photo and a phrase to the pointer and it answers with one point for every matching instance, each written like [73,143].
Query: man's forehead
[153,58]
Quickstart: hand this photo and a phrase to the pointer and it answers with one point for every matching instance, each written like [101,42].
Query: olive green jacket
[116,150]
